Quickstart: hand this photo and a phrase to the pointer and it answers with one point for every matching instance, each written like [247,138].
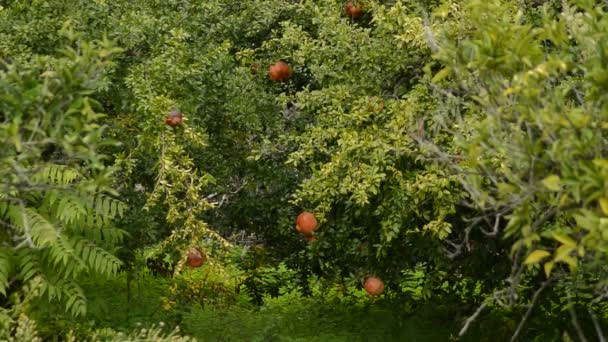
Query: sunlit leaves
[536,256]
[552,183]
[535,135]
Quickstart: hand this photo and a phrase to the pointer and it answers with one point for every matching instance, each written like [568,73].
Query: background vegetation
[454,149]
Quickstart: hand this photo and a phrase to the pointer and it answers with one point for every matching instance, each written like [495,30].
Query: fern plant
[56,200]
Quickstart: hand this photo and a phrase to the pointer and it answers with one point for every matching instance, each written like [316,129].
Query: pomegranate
[310,238]
[354,11]
[196,258]
[374,286]
[174,118]
[279,71]
[306,223]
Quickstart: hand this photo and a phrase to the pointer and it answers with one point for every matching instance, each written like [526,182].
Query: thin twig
[596,324]
[529,311]
[472,318]
[494,231]
[577,326]
[494,297]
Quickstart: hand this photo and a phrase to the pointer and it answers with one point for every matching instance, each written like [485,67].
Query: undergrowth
[324,316]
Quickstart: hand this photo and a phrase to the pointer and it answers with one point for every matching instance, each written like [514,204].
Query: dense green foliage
[453,149]
[57,200]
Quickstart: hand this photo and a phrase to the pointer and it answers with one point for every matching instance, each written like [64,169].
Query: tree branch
[529,311]
[575,323]
[596,324]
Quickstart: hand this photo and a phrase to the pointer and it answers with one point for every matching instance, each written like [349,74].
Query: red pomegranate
[196,258]
[306,223]
[354,11]
[174,118]
[279,71]
[374,286]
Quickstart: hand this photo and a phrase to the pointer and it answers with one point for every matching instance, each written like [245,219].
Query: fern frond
[76,301]
[49,289]
[109,207]
[97,258]
[109,236]
[102,210]
[89,214]
[56,174]
[63,257]
[113,235]
[71,210]
[28,264]
[5,269]
[34,226]
[51,197]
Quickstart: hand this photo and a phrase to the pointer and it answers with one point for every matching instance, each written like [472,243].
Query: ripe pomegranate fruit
[196,258]
[354,11]
[374,286]
[279,71]
[306,223]
[174,118]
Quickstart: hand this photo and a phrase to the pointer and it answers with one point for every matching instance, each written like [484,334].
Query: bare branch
[596,324]
[226,196]
[495,297]
[472,318]
[494,231]
[575,323]
[529,311]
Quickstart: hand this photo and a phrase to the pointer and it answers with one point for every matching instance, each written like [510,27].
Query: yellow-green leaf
[548,266]
[604,205]
[552,183]
[601,163]
[562,252]
[443,73]
[564,200]
[564,239]
[536,256]
[506,188]
[515,247]
[571,261]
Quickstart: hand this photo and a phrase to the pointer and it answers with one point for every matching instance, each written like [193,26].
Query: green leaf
[604,205]
[5,266]
[562,252]
[536,256]
[603,163]
[548,266]
[564,239]
[571,261]
[552,183]
[506,188]
[443,73]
